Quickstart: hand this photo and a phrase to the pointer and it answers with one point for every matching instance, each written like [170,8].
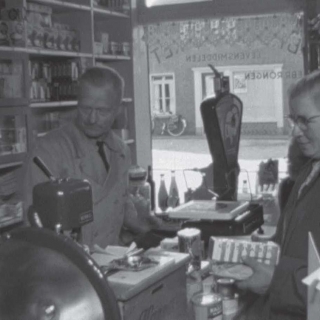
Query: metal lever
[39,162]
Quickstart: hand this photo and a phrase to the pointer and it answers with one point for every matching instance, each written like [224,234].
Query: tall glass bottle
[152,187]
[174,199]
[162,194]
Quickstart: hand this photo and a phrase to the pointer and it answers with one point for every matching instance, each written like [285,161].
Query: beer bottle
[162,194]
[173,200]
[152,187]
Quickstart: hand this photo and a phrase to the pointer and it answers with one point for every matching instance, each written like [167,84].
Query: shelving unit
[72,33]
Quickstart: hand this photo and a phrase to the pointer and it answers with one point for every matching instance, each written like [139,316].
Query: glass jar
[140,190]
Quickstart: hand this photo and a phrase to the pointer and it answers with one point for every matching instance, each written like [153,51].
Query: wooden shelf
[128,141]
[108,12]
[46,52]
[54,104]
[57,53]
[111,57]
[11,164]
[62,104]
[63,4]
[12,49]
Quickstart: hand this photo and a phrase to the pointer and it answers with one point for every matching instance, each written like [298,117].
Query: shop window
[162,93]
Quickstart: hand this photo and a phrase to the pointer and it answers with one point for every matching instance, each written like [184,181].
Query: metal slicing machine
[47,275]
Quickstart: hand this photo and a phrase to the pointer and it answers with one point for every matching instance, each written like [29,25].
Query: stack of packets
[226,255]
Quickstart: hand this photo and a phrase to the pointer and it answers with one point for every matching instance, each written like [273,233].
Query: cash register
[225,215]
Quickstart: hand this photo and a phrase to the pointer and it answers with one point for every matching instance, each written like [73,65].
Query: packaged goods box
[39,15]
[154,293]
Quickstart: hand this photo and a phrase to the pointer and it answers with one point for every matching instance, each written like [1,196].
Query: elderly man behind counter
[281,295]
[89,149]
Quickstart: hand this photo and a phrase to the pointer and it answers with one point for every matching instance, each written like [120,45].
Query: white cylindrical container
[207,306]
[190,242]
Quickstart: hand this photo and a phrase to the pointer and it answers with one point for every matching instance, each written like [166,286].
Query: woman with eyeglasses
[278,292]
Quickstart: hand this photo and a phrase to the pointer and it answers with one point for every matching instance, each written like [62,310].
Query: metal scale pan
[45,276]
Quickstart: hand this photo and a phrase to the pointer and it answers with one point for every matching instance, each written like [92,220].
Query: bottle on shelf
[162,194]
[174,199]
[245,188]
[152,187]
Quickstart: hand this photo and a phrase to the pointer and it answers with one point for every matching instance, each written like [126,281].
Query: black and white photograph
[159,160]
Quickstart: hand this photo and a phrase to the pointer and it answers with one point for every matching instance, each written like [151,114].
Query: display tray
[209,210]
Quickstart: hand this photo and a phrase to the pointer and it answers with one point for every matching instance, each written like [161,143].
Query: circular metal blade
[39,282]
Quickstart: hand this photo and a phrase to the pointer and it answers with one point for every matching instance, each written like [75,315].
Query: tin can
[230,305]
[190,242]
[207,306]
[226,287]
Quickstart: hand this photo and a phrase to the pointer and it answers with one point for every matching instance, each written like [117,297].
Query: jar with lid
[140,191]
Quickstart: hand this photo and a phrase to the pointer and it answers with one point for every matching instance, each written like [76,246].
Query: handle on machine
[39,162]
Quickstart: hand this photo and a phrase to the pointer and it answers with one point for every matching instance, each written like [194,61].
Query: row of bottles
[171,199]
[53,80]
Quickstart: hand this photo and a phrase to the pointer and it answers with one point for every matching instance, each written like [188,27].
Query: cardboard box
[170,244]
[39,19]
[98,48]
[154,293]
[34,7]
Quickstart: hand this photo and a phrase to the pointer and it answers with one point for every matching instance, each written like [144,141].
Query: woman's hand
[260,281]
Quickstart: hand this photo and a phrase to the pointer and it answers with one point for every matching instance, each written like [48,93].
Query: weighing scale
[225,216]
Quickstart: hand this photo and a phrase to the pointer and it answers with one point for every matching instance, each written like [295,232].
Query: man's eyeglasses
[300,121]
[100,111]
